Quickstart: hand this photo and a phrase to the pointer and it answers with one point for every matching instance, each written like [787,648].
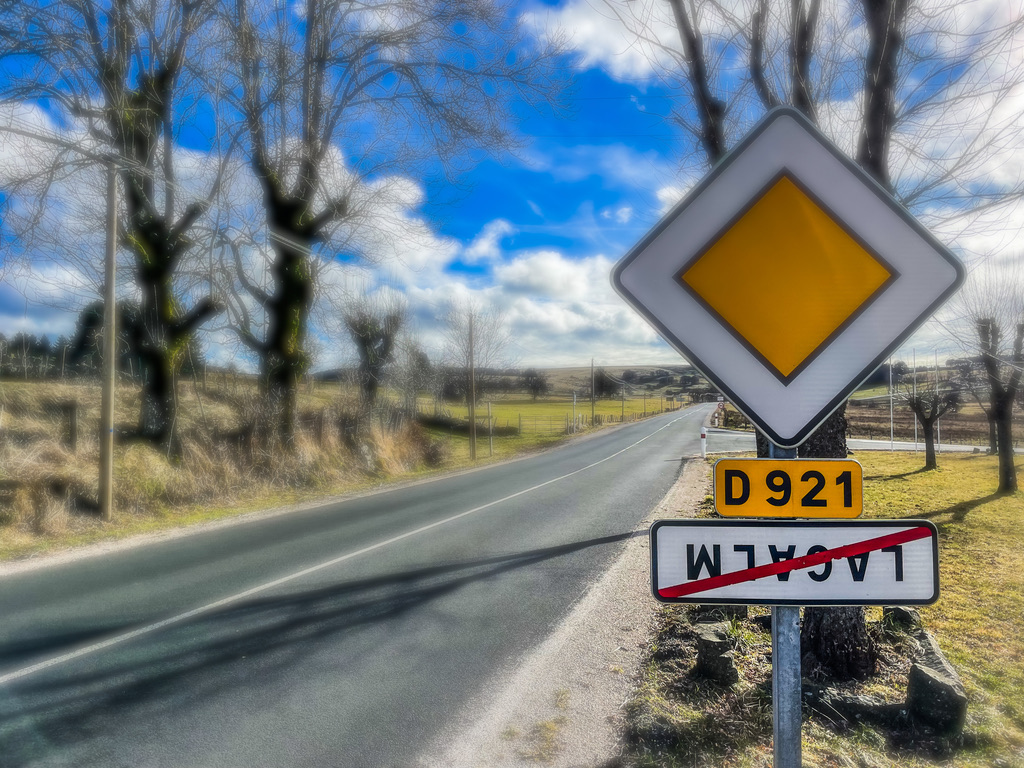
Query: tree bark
[838,641]
[836,638]
[1004,430]
[285,359]
[928,427]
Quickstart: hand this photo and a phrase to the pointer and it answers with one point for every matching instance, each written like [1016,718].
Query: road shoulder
[562,705]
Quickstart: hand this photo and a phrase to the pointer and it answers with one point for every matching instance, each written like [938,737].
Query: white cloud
[620,215]
[605,35]
[486,247]
[614,164]
[669,196]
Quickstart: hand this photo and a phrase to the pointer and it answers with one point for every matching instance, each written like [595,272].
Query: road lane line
[154,627]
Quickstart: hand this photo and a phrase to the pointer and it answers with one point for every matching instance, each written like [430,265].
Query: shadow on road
[183,664]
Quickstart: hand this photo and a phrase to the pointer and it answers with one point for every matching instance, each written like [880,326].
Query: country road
[343,635]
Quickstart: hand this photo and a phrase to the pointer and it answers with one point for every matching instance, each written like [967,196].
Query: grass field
[676,721]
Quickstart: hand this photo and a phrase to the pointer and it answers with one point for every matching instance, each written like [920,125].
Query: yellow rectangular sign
[818,488]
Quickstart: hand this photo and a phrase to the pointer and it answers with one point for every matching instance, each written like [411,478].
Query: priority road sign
[813,488]
[878,562]
[787,276]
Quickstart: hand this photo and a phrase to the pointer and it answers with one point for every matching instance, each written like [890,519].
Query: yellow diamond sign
[785,250]
[787,276]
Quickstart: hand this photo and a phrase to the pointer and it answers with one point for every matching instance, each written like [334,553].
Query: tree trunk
[829,440]
[285,359]
[1004,429]
[838,640]
[158,409]
[928,427]
[993,441]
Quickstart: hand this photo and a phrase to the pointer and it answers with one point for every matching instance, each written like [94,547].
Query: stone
[852,707]
[901,616]
[716,613]
[930,655]
[716,659]
[935,694]
[936,700]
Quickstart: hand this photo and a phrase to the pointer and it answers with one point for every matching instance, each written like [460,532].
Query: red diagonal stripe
[797,563]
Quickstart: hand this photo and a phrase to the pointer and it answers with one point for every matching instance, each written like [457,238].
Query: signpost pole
[786,715]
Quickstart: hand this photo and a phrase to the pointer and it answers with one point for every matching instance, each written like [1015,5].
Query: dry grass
[48,492]
[675,719]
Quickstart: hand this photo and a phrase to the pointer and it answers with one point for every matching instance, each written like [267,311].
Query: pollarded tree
[989,328]
[1003,368]
[929,401]
[374,327]
[119,77]
[332,93]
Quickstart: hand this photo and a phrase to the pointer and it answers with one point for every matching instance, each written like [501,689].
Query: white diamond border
[784,141]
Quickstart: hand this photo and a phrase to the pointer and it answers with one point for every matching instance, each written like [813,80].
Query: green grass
[978,622]
[543,423]
[866,392]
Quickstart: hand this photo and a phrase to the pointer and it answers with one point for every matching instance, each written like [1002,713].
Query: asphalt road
[346,635]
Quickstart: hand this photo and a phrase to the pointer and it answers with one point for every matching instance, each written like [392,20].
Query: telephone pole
[109,352]
[472,393]
[592,395]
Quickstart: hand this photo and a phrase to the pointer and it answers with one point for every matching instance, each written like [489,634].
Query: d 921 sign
[818,488]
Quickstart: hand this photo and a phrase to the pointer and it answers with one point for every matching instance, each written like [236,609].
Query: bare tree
[1003,368]
[475,337]
[413,372]
[988,326]
[395,84]
[121,73]
[929,401]
[374,324]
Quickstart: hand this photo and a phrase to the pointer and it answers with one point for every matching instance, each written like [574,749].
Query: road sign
[816,488]
[878,562]
[787,276]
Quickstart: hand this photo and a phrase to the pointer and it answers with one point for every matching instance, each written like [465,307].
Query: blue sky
[535,232]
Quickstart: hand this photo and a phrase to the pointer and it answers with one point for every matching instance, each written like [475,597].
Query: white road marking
[150,628]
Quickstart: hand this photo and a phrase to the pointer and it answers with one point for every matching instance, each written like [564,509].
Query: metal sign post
[786,677]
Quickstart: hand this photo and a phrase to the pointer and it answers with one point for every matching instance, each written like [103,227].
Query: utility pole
[891,430]
[574,411]
[109,352]
[472,392]
[592,392]
[915,400]
[938,421]
[622,416]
